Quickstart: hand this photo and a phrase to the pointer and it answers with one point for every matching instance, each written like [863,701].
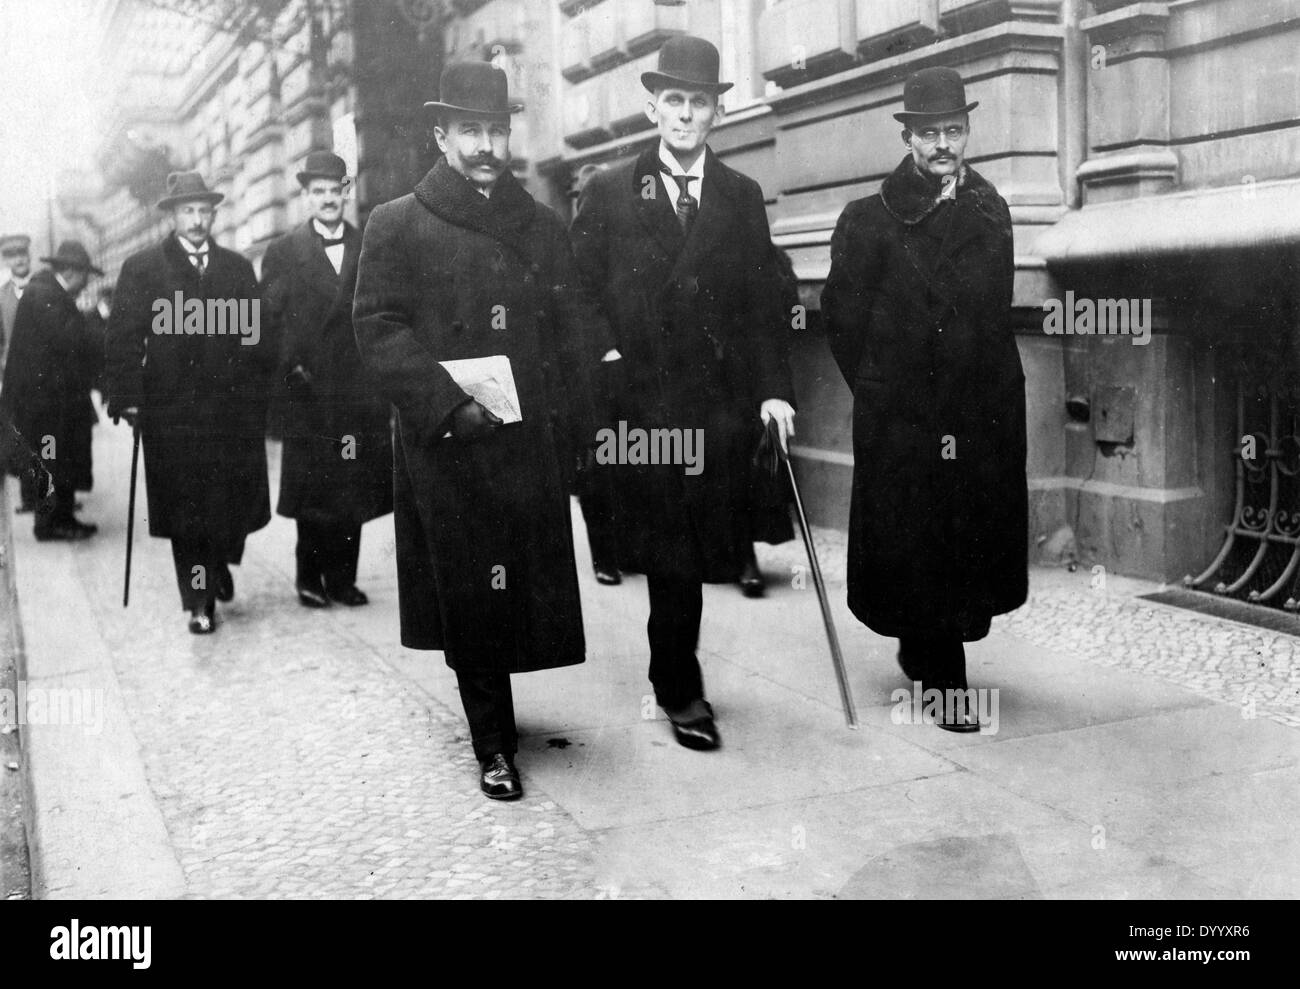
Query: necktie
[331,242]
[687,205]
[200,261]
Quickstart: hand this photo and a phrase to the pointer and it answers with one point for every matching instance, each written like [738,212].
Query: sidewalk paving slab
[299,753]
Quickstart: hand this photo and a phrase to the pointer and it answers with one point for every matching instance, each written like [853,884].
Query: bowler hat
[686,62]
[323,165]
[934,92]
[184,187]
[72,254]
[478,88]
[13,243]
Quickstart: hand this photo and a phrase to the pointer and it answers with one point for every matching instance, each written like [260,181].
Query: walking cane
[130,512]
[837,658]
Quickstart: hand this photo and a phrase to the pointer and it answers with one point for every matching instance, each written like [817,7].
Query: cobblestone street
[306,754]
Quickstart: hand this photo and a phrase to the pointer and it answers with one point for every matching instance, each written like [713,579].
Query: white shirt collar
[191,249]
[58,276]
[321,229]
[697,169]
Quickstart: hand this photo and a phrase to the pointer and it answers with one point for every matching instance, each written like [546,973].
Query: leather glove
[472,421]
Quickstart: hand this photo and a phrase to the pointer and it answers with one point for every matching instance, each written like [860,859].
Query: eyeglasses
[929,135]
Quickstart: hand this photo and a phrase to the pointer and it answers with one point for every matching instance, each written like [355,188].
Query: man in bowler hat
[916,308]
[45,398]
[337,463]
[675,246]
[197,396]
[467,268]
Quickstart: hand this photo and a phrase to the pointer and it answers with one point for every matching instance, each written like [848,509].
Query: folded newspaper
[489,381]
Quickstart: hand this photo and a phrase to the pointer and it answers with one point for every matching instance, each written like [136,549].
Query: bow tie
[336,242]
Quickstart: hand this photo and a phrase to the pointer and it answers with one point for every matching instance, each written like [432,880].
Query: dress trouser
[56,506]
[676,605]
[490,710]
[943,659]
[199,560]
[596,496]
[328,552]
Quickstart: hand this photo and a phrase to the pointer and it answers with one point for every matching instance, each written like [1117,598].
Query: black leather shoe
[312,596]
[202,622]
[693,726]
[962,722]
[960,719]
[607,575]
[351,596]
[225,585]
[500,778]
[752,584]
[72,532]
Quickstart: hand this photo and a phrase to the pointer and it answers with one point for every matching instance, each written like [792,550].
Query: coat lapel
[656,213]
[182,270]
[713,220]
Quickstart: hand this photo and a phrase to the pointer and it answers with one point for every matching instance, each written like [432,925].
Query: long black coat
[484,542]
[701,325]
[916,309]
[202,397]
[337,463]
[47,379]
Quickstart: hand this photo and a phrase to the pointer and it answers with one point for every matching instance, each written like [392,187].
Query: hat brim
[64,263]
[167,202]
[511,108]
[305,177]
[905,115]
[658,80]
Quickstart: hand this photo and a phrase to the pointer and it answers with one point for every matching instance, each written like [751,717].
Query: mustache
[488,160]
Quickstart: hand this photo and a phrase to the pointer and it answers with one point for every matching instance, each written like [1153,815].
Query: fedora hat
[182,187]
[14,243]
[478,88]
[934,92]
[72,254]
[686,62]
[323,165]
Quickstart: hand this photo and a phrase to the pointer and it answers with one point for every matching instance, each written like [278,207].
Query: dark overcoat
[916,309]
[202,397]
[46,391]
[700,322]
[484,540]
[337,462]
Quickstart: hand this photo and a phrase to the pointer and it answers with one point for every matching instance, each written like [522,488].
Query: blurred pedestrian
[46,392]
[16,257]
